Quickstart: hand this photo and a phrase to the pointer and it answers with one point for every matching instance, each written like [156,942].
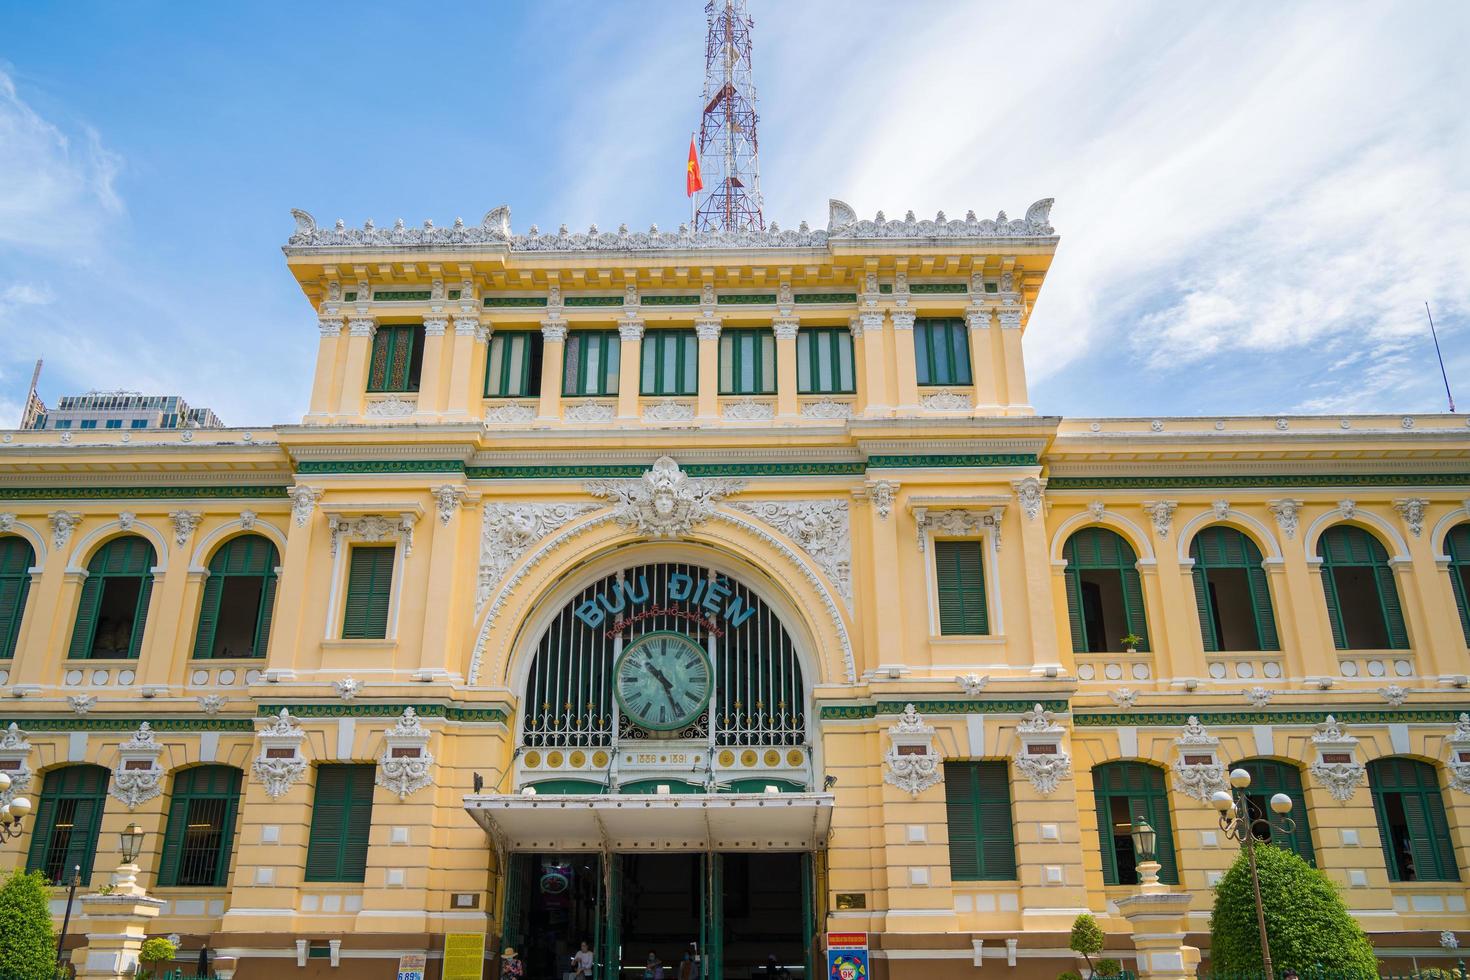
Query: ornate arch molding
[117,529]
[1131,532]
[731,535]
[1444,526]
[234,529]
[9,524]
[1243,523]
[1349,513]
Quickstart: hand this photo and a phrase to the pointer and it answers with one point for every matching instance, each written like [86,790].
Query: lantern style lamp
[130,845]
[1145,850]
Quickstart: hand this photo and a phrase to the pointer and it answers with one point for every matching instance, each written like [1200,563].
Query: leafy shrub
[157,950]
[1108,968]
[1087,938]
[27,941]
[1070,975]
[1308,925]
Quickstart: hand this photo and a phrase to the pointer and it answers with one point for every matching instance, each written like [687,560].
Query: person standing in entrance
[689,965]
[511,967]
[655,968]
[582,961]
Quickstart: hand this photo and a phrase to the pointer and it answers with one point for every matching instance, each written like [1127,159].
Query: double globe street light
[1238,823]
[12,812]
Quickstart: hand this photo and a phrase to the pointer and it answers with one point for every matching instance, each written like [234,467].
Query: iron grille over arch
[759,693]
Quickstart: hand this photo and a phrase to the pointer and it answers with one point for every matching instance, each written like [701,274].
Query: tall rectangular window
[824,361]
[138,424]
[114,423]
[369,592]
[592,360]
[398,358]
[977,805]
[201,827]
[959,571]
[747,362]
[670,363]
[513,365]
[68,819]
[341,819]
[942,351]
[89,423]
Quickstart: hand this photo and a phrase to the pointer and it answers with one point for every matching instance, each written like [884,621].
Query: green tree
[27,941]
[155,951]
[1307,923]
[1087,938]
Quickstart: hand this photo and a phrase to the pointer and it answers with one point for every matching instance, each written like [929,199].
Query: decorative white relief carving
[449,498]
[372,528]
[137,777]
[785,327]
[972,684]
[62,523]
[1124,697]
[347,688]
[435,326]
[211,704]
[1041,757]
[1198,779]
[15,751]
[707,329]
[1162,514]
[303,502]
[1287,513]
[1447,940]
[273,767]
[1028,494]
[1282,423]
[80,704]
[821,528]
[630,330]
[510,529]
[553,331]
[668,411]
[664,502]
[903,319]
[1259,696]
[881,493]
[1221,509]
[404,765]
[391,407]
[1459,746]
[510,412]
[1412,511]
[946,401]
[1394,694]
[7,523]
[247,520]
[826,408]
[1348,508]
[125,520]
[1340,778]
[184,521]
[957,523]
[911,763]
[1096,509]
[748,410]
[591,412]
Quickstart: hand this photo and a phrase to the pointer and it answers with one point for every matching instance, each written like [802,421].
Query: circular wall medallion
[793,758]
[599,759]
[578,759]
[555,759]
[748,757]
[663,681]
[727,758]
[533,759]
[773,758]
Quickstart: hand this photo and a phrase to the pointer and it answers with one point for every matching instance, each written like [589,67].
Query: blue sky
[1254,199]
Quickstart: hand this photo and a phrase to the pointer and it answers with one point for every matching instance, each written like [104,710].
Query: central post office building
[670,587]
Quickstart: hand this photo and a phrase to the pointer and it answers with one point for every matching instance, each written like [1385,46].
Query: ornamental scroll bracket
[957,522]
[137,777]
[1041,757]
[15,752]
[911,763]
[406,761]
[1337,767]
[1198,771]
[665,502]
[280,764]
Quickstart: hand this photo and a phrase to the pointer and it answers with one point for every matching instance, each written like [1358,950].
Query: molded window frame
[942,352]
[1457,547]
[498,373]
[1390,603]
[1220,539]
[387,370]
[576,383]
[663,372]
[89,603]
[980,818]
[747,347]
[86,784]
[200,783]
[1435,846]
[340,840]
[17,558]
[1146,788]
[1135,612]
[214,584]
[830,348]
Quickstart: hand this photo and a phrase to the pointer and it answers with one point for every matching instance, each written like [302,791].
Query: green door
[809,913]
[512,920]
[610,945]
[712,939]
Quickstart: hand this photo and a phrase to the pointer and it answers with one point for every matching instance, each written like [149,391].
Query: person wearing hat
[689,965]
[511,967]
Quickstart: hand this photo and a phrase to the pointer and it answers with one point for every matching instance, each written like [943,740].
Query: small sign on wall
[464,956]
[847,956]
[411,966]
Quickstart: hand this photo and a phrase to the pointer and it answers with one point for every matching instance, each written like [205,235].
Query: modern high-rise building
[118,410]
[726,588]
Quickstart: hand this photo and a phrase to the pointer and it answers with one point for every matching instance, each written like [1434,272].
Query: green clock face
[663,681]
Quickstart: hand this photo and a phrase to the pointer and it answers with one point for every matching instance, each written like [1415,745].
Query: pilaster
[443,629]
[630,335]
[1016,399]
[785,328]
[905,366]
[360,331]
[468,334]
[293,592]
[433,376]
[323,397]
[553,357]
[708,332]
[867,334]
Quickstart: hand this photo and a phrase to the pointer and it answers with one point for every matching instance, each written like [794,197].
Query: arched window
[114,606]
[1411,820]
[1457,546]
[235,617]
[1125,791]
[1362,599]
[68,817]
[1230,591]
[1104,594]
[1269,777]
[16,558]
[201,827]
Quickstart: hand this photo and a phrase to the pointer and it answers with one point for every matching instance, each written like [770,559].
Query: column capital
[707,329]
[1010,319]
[866,322]
[553,331]
[630,330]
[331,324]
[785,327]
[362,326]
[979,318]
[434,326]
[903,319]
[468,326]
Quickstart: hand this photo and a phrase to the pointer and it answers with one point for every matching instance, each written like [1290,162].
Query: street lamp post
[71,894]
[1236,822]
[12,812]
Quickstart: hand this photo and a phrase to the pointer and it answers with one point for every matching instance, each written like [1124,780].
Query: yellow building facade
[656,588]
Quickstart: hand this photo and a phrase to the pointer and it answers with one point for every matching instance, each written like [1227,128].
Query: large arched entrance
[664,798]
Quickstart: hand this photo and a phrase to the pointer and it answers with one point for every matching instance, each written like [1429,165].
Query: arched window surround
[1131,595]
[1344,535]
[1261,602]
[95,602]
[17,566]
[1142,786]
[208,622]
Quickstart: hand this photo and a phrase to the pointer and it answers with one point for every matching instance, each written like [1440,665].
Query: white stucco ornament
[973,684]
[347,688]
[137,777]
[280,764]
[80,704]
[1198,771]
[1124,697]
[1042,758]
[1259,696]
[510,529]
[1459,745]
[665,502]
[911,763]
[1336,768]
[819,527]
[1028,494]
[405,763]
[15,752]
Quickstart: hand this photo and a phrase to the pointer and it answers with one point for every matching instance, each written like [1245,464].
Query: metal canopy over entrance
[688,822]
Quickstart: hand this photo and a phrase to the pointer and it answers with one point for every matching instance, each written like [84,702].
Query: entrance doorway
[764,916]
[552,906]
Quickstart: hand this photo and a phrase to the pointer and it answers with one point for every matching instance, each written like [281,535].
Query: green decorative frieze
[1270,480]
[141,493]
[515,301]
[944,706]
[669,300]
[593,301]
[611,471]
[350,297]
[455,294]
[965,460]
[747,299]
[885,287]
[400,295]
[1177,719]
[102,723]
[383,711]
[318,467]
[802,298]
[932,288]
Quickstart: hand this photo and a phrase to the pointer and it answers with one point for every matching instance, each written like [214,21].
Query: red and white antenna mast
[728,145]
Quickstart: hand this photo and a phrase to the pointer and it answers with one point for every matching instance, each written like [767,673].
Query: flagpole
[1440,357]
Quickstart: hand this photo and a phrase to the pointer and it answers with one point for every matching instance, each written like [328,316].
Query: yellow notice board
[464,956]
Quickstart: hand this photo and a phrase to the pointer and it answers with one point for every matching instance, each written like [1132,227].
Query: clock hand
[668,687]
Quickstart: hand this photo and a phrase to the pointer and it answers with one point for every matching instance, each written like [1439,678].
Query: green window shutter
[341,817]
[1268,777]
[358,826]
[1133,605]
[267,613]
[993,814]
[1142,787]
[16,558]
[1457,546]
[1261,605]
[214,587]
[960,577]
[1202,607]
[1393,614]
[369,591]
[1440,844]
[960,800]
[140,620]
[86,624]
[1102,799]
[83,790]
[1074,608]
[173,833]
[1334,608]
[42,827]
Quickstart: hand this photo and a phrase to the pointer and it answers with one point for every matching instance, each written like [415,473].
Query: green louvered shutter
[214,587]
[359,825]
[41,829]
[1074,609]
[140,621]
[1457,546]
[961,586]
[1261,603]
[993,812]
[1441,845]
[86,624]
[1101,798]
[341,818]
[173,832]
[1133,606]
[369,589]
[83,789]
[1334,608]
[1202,607]
[267,613]
[1393,614]
[16,558]
[1421,841]
[959,810]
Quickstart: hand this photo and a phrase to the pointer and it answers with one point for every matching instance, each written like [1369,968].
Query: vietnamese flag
[692,180]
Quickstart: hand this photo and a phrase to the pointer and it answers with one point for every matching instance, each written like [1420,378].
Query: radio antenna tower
[728,145]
